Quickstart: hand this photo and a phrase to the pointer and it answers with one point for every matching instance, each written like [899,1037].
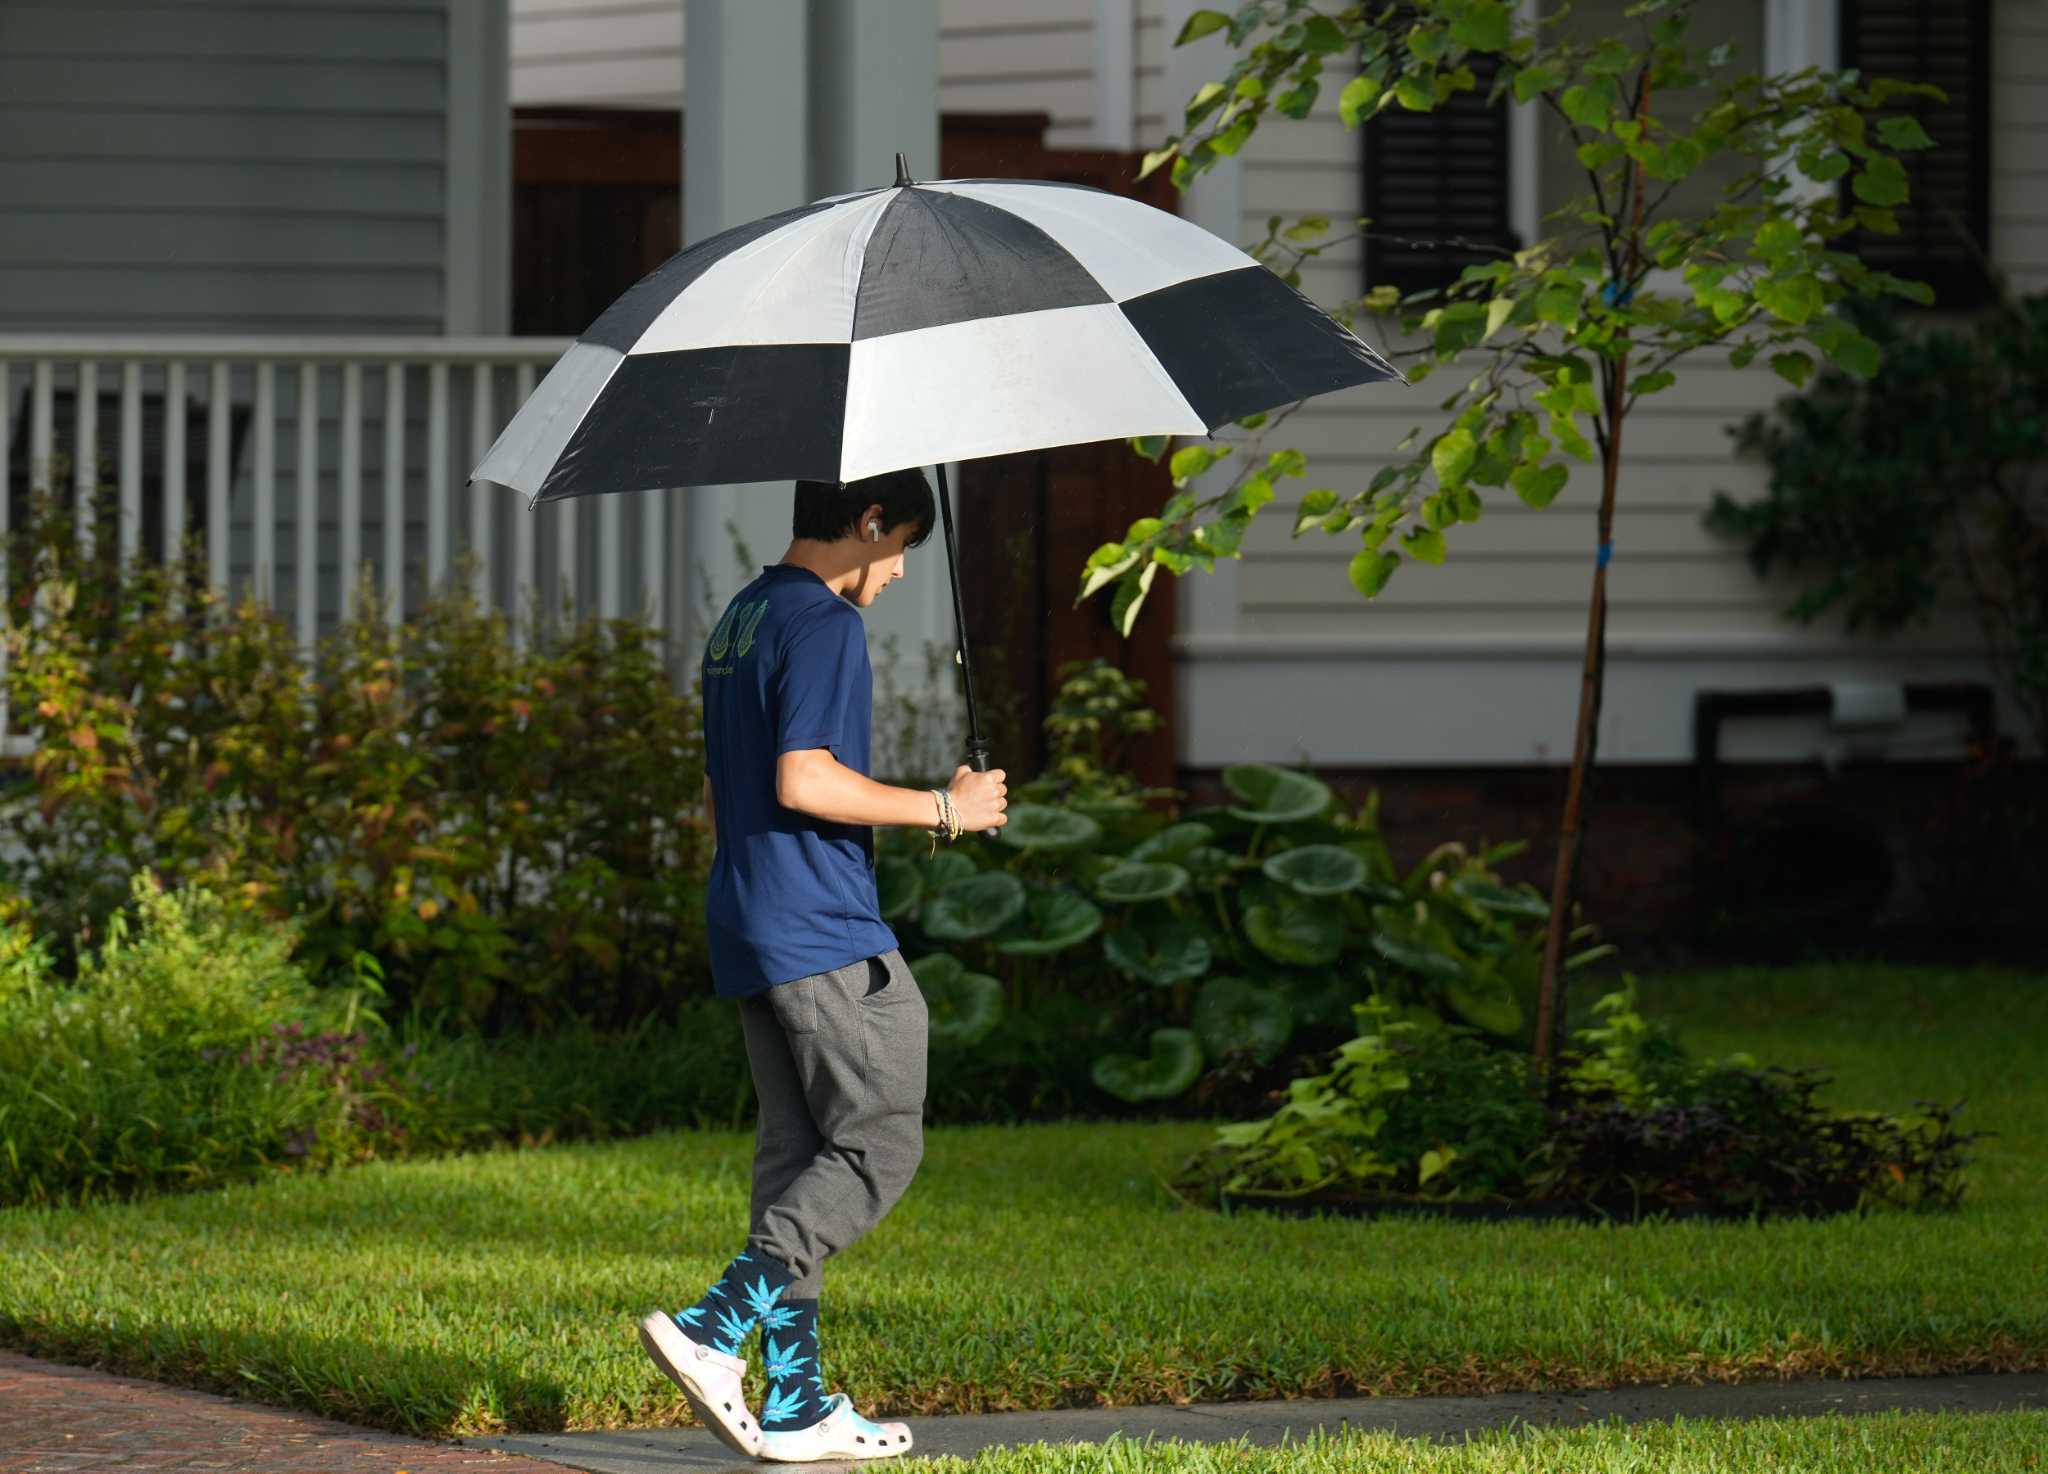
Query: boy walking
[835,1025]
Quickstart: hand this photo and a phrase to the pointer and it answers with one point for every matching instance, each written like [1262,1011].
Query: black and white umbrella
[928,322]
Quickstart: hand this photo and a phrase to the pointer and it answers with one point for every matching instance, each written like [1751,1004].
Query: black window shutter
[1433,178]
[1944,226]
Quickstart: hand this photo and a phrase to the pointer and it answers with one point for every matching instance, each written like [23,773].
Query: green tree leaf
[1881,181]
[1370,570]
[1192,460]
[1792,298]
[1482,27]
[1853,352]
[1415,95]
[1357,98]
[1200,24]
[1903,133]
[1425,544]
[1452,456]
[1208,97]
[1792,367]
[1539,485]
[1590,104]
[1532,81]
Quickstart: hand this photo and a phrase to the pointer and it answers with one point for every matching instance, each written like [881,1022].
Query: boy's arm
[710,813]
[812,781]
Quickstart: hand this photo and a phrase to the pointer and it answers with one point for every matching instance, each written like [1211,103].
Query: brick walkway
[55,1417]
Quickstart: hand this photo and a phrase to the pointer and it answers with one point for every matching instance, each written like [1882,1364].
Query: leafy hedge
[1431,1114]
[508,826]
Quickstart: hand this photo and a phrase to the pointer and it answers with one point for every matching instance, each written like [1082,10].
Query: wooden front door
[1028,522]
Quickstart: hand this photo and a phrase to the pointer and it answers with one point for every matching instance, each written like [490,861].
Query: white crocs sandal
[841,1434]
[710,1379]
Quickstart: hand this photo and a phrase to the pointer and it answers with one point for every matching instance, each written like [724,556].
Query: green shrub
[1920,481]
[1433,1113]
[158,1065]
[511,829]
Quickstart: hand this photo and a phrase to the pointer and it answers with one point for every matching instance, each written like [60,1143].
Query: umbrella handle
[977,759]
[977,750]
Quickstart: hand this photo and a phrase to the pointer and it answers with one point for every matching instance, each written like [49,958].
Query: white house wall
[253,169]
[1477,660]
[995,56]
[2019,141]
[597,53]
[198,168]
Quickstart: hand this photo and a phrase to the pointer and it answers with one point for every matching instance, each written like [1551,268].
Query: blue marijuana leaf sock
[796,1385]
[748,1290]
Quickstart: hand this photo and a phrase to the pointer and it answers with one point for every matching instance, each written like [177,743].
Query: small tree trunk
[1549,1032]
[1550,1004]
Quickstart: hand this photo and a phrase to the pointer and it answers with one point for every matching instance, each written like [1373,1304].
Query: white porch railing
[282,436]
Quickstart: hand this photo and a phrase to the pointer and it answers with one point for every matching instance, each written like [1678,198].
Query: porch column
[874,94]
[746,153]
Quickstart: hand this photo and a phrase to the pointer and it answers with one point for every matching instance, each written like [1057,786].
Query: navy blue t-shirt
[790,894]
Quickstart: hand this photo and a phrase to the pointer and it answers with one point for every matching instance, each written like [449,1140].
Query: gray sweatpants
[839,1074]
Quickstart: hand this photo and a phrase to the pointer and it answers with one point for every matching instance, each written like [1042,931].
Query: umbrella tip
[903,172]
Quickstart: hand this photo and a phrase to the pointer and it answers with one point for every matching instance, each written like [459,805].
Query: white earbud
[874,532]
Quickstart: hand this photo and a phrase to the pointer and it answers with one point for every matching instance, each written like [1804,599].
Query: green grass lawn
[1898,1443]
[1044,1266]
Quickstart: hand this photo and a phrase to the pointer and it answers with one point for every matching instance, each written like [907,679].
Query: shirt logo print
[748,615]
[748,625]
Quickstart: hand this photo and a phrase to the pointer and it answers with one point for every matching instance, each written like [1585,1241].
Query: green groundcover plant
[1213,938]
[1421,1110]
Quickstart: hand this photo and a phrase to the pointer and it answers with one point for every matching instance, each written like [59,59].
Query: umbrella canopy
[915,325]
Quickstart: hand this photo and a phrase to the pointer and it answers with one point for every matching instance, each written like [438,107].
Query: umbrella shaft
[977,750]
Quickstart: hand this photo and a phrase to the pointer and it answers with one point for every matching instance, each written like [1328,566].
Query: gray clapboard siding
[2019,142]
[1678,450]
[407,191]
[250,168]
[1517,581]
[994,56]
[213,167]
[598,53]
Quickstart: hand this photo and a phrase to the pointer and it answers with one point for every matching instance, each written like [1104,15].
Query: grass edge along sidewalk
[1995,1416]
[496,1292]
[70,1417]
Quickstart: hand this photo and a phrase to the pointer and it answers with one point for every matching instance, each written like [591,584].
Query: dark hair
[826,510]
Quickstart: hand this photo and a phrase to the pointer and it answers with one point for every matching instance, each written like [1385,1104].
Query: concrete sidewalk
[659,1450]
[56,1417]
